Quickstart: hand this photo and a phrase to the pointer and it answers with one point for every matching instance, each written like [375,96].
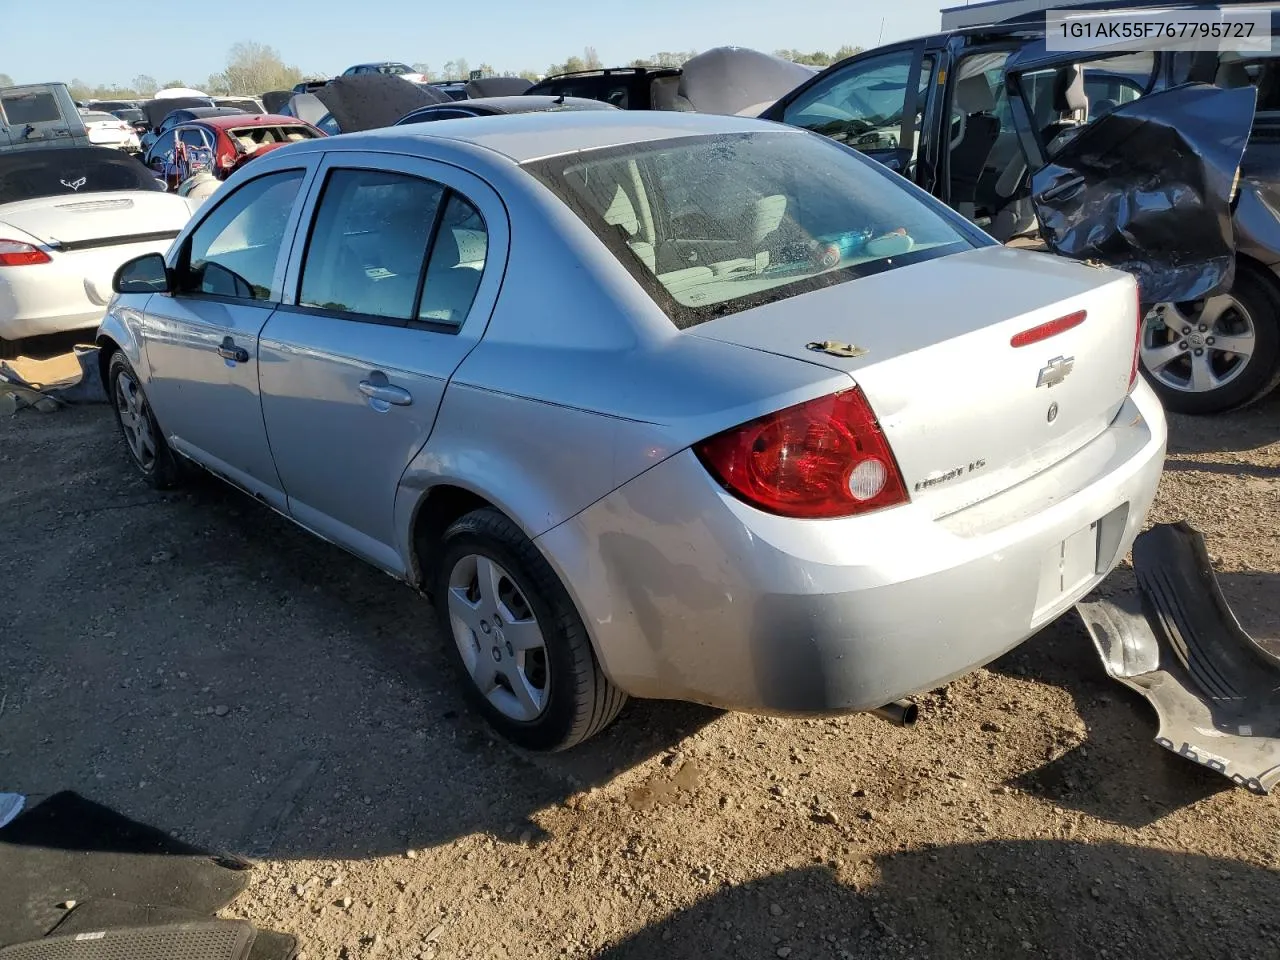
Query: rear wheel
[518,641]
[143,438]
[1215,354]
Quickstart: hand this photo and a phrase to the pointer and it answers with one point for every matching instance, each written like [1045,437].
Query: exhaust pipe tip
[901,713]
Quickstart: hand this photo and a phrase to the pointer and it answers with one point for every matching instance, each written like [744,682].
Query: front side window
[369,242]
[862,104]
[715,225]
[233,253]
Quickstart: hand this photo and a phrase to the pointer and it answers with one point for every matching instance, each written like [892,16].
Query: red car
[222,143]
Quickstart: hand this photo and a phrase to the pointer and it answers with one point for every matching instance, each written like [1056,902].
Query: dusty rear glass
[714,225]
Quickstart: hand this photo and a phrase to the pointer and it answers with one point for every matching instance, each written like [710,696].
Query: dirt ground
[196,662]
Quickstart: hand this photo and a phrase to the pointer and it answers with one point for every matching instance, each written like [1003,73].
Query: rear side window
[233,253]
[369,242]
[30,108]
[393,247]
[714,225]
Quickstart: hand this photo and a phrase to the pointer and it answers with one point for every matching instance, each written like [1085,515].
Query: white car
[69,216]
[107,130]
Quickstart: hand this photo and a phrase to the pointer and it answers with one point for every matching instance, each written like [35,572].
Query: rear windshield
[55,172]
[30,107]
[714,225]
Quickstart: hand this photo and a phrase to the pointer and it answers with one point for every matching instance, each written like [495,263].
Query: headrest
[1232,74]
[1068,90]
[973,95]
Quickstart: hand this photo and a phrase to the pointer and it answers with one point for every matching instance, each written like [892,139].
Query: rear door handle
[229,351]
[386,393]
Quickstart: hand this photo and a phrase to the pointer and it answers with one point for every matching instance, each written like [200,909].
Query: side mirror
[144,274]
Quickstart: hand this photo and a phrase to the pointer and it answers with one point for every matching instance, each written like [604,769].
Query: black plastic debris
[1175,641]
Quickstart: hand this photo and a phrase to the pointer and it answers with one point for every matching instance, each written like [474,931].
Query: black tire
[580,699]
[1257,293]
[10,349]
[164,470]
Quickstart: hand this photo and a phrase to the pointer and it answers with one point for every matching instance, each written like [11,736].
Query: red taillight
[817,460]
[16,254]
[1137,340]
[1046,330]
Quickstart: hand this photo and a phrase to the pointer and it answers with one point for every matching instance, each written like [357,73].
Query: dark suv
[984,116]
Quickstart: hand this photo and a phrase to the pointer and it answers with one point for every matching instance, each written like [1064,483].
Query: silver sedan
[659,405]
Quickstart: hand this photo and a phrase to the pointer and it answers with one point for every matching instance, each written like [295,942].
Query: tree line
[254,68]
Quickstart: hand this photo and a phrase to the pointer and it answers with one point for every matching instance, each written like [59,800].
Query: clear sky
[113,42]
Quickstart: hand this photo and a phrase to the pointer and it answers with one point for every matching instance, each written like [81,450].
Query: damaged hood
[273,100]
[497,87]
[157,110]
[1148,187]
[730,80]
[306,106]
[368,101]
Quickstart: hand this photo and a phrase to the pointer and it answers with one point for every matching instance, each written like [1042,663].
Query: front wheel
[1214,354]
[148,450]
[518,641]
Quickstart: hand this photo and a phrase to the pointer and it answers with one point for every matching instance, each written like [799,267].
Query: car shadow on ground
[1119,773]
[199,663]
[1042,898]
[1250,428]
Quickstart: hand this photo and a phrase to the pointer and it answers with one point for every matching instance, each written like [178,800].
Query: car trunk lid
[967,413]
[96,219]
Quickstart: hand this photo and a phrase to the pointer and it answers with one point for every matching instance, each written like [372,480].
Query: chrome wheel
[1200,346]
[135,420]
[498,637]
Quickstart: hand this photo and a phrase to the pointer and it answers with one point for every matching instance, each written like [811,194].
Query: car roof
[529,136]
[226,122]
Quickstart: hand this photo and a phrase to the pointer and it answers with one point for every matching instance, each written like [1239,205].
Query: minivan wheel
[143,438]
[517,639]
[1214,354]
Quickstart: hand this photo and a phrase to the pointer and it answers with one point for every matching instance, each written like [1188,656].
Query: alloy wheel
[135,420]
[498,636]
[1200,346]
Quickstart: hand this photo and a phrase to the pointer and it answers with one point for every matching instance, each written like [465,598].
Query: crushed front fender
[1175,641]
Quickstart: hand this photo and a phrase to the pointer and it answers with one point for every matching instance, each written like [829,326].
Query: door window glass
[456,265]
[1064,98]
[233,253]
[369,242]
[862,104]
[162,150]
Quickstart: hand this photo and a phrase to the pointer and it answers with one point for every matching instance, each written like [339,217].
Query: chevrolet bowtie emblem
[1055,371]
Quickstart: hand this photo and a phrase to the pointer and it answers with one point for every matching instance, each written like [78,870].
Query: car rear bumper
[55,297]
[690,594]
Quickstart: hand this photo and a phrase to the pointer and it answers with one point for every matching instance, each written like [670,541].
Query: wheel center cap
[1195,339]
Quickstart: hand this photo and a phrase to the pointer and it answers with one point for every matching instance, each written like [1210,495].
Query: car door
[392,288]
[201,340]
[874,103]
[1145,185]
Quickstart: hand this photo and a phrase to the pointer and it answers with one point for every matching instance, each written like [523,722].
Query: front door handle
[386,393]
[229,351]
